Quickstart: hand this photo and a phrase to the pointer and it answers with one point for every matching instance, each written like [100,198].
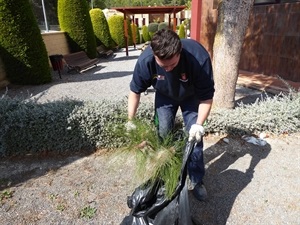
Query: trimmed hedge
[181,32]
[129,31]
[152,28]
[115,23]
[163,25]
[75,20]
[116,27]
[145,34]
[62,126]
[101,28]
[137,33]
[22,48]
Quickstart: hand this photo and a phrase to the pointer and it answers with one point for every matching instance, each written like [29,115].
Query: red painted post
[196,20]
[174,21]
[126,33]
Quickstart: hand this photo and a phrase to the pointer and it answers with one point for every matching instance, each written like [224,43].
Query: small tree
[75,20]
[101,28]
[22,48]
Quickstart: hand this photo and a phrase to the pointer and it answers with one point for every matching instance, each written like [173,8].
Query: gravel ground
[247,184]
[109,80]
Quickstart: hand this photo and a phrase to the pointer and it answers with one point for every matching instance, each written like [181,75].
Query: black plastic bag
[149,204]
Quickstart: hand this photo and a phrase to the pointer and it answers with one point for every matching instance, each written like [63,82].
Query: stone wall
[272,41]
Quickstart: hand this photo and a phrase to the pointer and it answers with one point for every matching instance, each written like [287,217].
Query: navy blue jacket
[192,76]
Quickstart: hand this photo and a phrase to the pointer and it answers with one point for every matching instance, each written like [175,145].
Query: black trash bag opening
[149,204]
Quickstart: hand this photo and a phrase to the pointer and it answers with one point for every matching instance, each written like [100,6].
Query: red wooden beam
[196,20]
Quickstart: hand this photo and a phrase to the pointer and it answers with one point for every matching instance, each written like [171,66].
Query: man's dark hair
[165,44]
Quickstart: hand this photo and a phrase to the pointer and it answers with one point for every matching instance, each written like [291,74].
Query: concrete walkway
[266,83]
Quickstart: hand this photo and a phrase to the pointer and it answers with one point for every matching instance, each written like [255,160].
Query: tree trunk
[233,17]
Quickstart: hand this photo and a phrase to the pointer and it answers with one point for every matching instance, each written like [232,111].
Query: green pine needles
[156,159]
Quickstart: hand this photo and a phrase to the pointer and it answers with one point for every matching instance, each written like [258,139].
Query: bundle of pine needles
[156,159]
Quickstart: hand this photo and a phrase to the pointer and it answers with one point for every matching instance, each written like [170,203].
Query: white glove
[196,132]
[130,126]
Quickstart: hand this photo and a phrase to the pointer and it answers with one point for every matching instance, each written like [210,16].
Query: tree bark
[233,17]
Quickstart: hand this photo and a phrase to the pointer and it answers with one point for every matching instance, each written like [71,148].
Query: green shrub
[62,126]
[187,23]
[163,25]
[137,33]
[276,115]
[116,27]
[145,34]
[129,31]
[181,32]
[71,125]
[75,20]
[101,28]
[152,28]
[22,48]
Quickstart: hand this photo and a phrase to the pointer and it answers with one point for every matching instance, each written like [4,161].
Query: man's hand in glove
[196,132]
[130,126]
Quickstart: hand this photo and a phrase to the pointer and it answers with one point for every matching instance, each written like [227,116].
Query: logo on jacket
[159,77]
[183,77]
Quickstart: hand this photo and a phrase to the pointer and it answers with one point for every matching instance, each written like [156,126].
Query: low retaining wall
[56,43]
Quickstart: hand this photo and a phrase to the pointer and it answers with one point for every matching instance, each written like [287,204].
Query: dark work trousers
[165,110]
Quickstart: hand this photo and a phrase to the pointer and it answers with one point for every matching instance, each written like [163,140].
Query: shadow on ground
[125,58]
[18,170]
[246,96]
[224,182]
[27,91]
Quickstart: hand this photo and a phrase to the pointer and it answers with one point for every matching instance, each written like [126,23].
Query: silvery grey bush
[71,125]
[276,115]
